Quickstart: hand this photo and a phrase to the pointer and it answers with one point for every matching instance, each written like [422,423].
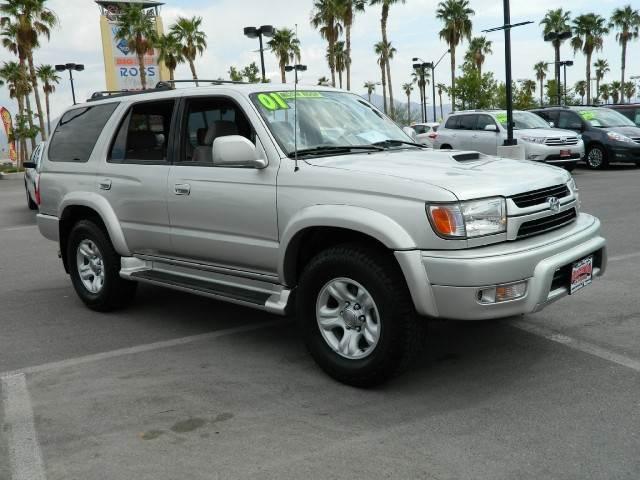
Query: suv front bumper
[552,154]
[445,284]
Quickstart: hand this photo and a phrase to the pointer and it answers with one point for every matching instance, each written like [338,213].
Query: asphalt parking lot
[182,387]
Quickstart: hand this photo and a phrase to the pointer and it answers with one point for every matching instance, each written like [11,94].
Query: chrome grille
[561,141]
[537,197]
[546,224]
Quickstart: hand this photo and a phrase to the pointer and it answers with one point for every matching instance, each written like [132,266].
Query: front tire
[596,158]
[356,315]
[94,266]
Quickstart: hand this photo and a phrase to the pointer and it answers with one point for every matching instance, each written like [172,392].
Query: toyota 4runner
[310,201]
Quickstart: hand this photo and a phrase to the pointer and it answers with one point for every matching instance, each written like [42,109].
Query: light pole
[556,36]
[420,69]
[433,66]
[564,64]
[296,69]
[259,32]
[78,67]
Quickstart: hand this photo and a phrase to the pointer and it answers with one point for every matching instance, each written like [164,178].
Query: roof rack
[160,87]
[199,80]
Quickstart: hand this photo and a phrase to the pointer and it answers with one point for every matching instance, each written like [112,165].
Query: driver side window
[569,120]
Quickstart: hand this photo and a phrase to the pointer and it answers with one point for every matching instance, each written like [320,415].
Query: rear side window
[452,123]
[144,133]
[483,121]
[78,131]
[467,122]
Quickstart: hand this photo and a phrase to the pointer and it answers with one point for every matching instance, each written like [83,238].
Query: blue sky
[413,30]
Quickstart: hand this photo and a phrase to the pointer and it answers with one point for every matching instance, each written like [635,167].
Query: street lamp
[557,36]
[259,32]
[78,67]
[420,69]
[296,69]
[564,64]
[433,66]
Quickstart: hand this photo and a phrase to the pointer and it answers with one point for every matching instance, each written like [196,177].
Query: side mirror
[236,151]
[411,133]
[491,128]
[29,165]
[552,125]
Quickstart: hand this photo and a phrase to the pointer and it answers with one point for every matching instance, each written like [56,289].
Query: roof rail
[199,80]
[100,95]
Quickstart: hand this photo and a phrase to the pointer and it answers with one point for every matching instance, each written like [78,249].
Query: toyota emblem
[554,204]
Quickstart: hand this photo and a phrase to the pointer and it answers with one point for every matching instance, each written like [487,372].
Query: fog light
[502,293]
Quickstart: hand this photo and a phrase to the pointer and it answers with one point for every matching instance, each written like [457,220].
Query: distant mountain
[415,106]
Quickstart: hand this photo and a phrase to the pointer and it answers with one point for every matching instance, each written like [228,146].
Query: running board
[274,301]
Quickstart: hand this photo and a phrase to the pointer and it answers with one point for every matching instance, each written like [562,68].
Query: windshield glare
[522,120]
[605,117]
[324,119]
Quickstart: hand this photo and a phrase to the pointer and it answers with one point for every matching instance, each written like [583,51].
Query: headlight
[573,187]
[526,138]
[619,138]
[470,219]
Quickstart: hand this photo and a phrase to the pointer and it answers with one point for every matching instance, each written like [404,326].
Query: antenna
[295,115]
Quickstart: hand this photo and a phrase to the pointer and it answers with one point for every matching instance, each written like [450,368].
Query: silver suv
[485,130]
[313,202]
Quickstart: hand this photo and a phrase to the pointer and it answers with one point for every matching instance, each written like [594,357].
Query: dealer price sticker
[581,274]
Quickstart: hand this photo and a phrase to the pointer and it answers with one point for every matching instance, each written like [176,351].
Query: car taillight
[37,190]
[433,135]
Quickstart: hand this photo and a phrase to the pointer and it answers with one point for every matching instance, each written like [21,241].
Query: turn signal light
[447,220]
[502,293]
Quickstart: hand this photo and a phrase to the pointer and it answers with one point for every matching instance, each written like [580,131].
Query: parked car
[485,130]
[608,135]
[233,192]
[629,110]
[31,175]
[425,132]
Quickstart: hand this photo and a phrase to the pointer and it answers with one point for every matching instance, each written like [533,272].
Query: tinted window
[452,122]
[77,133]
[483,121]
[144,133]
[569,120]
[467,122]
[208,119]
[420,129]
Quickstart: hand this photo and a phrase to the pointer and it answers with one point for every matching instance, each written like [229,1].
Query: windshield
[605,117]
[522,120]
[324,119]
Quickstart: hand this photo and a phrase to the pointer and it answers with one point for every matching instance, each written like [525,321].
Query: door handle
[182,189]
[105,184]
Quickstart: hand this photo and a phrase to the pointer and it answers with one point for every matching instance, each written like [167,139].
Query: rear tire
[446,147]
[596,158]
[30,203]
[360,345]
[94,266]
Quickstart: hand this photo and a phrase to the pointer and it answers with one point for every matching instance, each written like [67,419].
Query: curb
[11,176]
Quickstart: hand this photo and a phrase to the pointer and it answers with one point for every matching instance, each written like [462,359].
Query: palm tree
[588,33]
[615,89]
[16,79]
[541,69]
[441,88]
[455,15]
[602,67]
[422,81]
[137,27]
[605,92]
[371,87]
[323,81]
[408,88]
[556,21]
[32,20]
[49,78]
[479,48]
[326,17]
[381,51]
[629,90]
[384,17]
[346,12]
[235,75]
[193,40]
[340,58]
[627,21]
[169,52]
[286,47]
[581,88]
[528,87]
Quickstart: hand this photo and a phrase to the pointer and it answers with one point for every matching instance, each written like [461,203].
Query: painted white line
[138,349]
[24,451]
[580,345]
[23,227]
[624,257]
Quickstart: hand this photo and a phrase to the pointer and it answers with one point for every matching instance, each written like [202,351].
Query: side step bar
[274,302]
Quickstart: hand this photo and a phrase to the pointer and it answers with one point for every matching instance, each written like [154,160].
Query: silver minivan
[485,130]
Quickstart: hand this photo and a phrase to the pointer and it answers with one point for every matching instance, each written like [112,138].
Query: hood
[467,179]
[544,132]
[633,132]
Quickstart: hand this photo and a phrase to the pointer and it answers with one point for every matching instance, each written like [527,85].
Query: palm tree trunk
[589,79]
[597,87]
[421,100]
[36,93]
[283,73]
[348,46]
[383,27]
[369,93]
[441,111]
[384,87]
[556,46]
[143,72]
[23,142]
[32,140]
[46,102]
[332,59]
[541,93]
[452,93]
[193,71]
[408,108]
[171,74]
[623,68]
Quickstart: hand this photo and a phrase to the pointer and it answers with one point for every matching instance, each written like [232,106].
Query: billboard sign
[127,66]
[8,128]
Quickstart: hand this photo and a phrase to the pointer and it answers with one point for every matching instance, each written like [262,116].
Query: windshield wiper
[390,142]
[333,149]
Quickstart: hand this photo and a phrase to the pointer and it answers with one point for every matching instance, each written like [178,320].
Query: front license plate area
[565,153]
[581,274]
